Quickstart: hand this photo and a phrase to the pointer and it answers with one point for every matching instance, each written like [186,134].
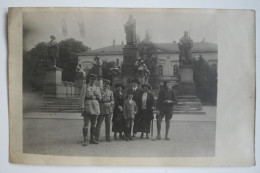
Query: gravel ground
[63,137]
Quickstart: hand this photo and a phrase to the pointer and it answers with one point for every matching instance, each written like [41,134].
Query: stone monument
[97,69]
[130,55]
[53,85]
[187,99]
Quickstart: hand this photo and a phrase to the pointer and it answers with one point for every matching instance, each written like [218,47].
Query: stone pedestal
[99,83]
[188,102]
[186,86]
[130,54]
[54,87]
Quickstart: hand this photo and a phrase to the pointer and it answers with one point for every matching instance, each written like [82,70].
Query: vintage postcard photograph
[143,87]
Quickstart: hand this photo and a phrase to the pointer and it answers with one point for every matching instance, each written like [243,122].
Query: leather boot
[167,130]
[85,136]
[92,135]
[158,137]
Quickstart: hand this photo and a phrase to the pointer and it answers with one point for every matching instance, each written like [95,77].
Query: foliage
[34,66]
[148,49]
[68,57]
[106,69]
[205,79]
[35,62]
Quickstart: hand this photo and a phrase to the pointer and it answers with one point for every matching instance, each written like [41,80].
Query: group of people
[131,111]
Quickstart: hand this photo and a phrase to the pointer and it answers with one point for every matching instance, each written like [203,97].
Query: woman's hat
[136,81]
[93,76]
[119,85]
[147,85]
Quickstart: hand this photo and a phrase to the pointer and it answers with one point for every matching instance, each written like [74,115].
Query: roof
[198,47]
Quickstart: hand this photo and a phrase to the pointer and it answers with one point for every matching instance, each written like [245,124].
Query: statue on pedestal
[116,70]
[130,31]
[97,66]
[80,76]
[185,46]
[142,68]
[53,51]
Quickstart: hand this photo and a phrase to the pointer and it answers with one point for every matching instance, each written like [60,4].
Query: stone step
[54,110]
[190,112]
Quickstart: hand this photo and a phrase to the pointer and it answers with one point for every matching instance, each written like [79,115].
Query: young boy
[129,110]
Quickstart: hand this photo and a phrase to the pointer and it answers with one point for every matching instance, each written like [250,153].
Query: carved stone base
[54,87]
[130,54]
[188,102]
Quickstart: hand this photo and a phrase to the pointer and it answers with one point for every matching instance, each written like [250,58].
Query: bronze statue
[185,46]
[116,70]
[97,66]
[53,51]
[130,31]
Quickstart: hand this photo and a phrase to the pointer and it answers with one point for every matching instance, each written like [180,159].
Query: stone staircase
[49,104]
[188,104]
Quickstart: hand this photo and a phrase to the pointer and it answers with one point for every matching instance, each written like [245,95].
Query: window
[175,70]
[160,70]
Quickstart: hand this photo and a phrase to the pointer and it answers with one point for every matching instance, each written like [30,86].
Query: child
[129,111]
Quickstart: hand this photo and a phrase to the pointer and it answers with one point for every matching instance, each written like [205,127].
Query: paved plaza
[61,134]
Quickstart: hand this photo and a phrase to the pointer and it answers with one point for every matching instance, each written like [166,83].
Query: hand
[95,93]
[120,108]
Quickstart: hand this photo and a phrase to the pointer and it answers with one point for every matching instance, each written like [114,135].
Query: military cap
[93,76]
[106,81]
[119,85]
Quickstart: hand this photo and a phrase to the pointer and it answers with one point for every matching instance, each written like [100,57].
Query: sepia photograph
[118,83]
[137,86]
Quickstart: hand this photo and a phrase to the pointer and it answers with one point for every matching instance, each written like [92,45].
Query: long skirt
[118,123]
[146,118]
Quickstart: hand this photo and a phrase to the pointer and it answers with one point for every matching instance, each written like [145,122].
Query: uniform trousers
[100,119]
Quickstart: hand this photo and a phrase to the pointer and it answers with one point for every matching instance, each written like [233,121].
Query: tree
[68,61]
[147,49]
[205,79]
[35,62]
[107,65]
[34,66]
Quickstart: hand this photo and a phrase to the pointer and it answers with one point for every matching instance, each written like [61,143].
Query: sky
[98,27]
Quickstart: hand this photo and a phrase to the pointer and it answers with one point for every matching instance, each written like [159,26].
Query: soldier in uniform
[165,102]
[106,109]
[90,96]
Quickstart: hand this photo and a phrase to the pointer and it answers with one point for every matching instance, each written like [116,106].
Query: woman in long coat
[146,110]
[118,120]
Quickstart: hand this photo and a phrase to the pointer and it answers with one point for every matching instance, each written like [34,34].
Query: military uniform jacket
[129,109]
[106,102]
[89,96]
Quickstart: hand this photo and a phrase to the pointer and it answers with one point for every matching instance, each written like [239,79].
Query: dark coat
[119,101]
[118,119]
[143,120]
[163,96]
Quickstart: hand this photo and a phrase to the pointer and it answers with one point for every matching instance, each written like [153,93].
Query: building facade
[167,54]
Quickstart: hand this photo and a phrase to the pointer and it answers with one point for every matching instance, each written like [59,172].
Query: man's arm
[82,96]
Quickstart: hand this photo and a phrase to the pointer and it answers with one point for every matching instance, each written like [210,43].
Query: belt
[105,101]
[90,99]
